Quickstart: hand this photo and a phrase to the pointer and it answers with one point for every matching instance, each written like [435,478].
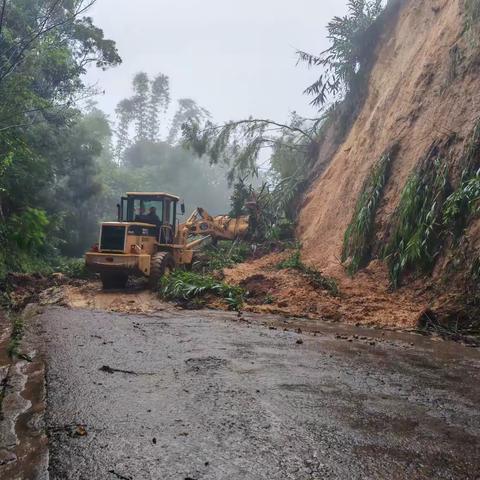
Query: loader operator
[140,217]
[152,217]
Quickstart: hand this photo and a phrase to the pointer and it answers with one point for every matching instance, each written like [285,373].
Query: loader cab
[151,211]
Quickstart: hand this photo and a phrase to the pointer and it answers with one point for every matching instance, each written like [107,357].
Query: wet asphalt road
[211,398]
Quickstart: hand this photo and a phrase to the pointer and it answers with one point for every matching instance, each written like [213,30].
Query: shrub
[28,229]
[415,238]
[181,285]
[316,278]
[223,255]
[358,239]
[462,204]
[72,267]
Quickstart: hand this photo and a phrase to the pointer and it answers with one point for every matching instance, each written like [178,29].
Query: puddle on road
[135,300]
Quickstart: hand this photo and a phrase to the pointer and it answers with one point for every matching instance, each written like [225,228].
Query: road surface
[205,395]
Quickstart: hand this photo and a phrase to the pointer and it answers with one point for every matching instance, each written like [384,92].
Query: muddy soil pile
[365,300]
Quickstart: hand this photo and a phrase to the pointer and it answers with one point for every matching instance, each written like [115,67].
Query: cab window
[145,210]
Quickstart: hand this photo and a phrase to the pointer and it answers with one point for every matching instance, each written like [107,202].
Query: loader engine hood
[114,236]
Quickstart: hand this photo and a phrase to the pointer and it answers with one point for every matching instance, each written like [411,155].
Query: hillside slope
[422,102]
[416,95]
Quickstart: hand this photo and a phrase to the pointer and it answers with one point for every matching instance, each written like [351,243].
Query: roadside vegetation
[313,276]
[415,240]
[359,237]
[185,286]
[222,255]
[431,212]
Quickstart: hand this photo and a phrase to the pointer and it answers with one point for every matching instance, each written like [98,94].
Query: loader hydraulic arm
[221,227]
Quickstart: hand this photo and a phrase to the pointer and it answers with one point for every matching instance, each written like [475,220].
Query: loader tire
[162,264]
[112,281]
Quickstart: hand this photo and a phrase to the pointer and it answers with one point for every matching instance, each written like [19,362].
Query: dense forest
[63,162]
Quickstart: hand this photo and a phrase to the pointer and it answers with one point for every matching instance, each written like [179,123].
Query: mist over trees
[148,152]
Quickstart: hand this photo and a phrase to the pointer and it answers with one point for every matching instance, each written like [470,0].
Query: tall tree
[188,111]
[342,63]
[159,102]
[141,89]
[125,112]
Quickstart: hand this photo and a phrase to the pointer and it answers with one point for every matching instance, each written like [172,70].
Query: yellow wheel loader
[148,241]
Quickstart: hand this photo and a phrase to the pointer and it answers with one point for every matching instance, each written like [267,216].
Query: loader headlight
[135,249]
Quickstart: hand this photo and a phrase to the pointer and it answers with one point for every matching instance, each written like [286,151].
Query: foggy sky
[235,58]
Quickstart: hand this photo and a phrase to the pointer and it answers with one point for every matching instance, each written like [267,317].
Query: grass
[358,238]
[472,19]
[415,240]
[16,336]
[292,262]
[72,267]
[462,204]
[182,285]
[315,278]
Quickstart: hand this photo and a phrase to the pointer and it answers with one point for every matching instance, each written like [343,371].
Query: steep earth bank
[423,92]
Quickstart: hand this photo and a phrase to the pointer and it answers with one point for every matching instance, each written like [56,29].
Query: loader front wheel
[162,264]
[112,281]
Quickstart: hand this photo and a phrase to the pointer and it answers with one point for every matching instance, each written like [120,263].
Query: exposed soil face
[424,87]
[413,99]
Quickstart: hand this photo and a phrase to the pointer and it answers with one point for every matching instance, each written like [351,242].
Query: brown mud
[363,301]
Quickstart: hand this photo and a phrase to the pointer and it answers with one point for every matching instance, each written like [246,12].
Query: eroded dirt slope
[420,90]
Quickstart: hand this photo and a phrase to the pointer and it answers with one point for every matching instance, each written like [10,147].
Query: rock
[299,341]
[58,277]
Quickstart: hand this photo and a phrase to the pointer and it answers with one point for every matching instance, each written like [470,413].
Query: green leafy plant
[342,63]
[316,278]
[181,285]
[72,267]
[222,255]
[28,229]
[462,204]
[415,240]
[16,336]
[292,262]
[358,239]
